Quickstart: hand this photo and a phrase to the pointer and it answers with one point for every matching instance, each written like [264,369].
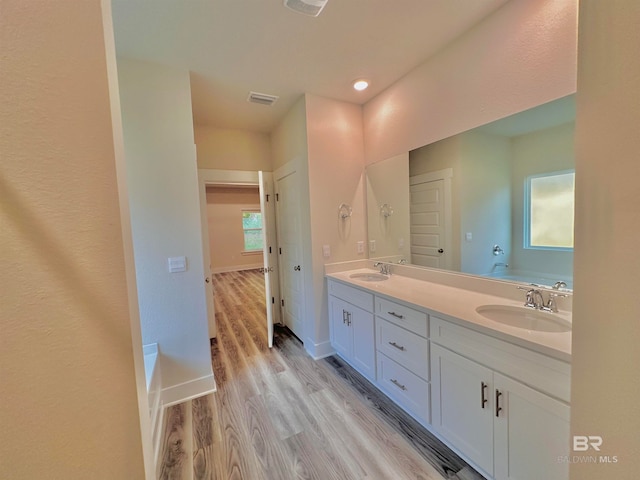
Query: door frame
[446,175]
[209,177]
[291,167]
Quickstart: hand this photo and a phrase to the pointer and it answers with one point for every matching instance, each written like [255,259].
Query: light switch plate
[360,246]
[372,245]
[177,264]
[468,236]
[326,251]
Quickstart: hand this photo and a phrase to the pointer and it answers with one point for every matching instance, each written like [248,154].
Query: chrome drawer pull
[399,347]
[397,315]
[398,384]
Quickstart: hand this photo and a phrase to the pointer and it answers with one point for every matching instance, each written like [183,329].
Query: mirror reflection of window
[550,210]
[252,228]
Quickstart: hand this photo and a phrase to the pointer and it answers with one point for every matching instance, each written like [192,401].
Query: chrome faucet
[385,268]
[535,299]
[559,285]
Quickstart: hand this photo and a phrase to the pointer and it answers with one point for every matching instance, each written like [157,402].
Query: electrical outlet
[372,245]
[326,251]
[360,246]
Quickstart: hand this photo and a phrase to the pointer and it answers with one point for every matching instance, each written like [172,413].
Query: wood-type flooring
[279,415]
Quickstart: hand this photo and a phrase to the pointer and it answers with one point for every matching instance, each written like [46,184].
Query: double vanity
[464,356]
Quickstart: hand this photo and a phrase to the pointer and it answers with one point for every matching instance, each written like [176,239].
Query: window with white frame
[253,233]
[549,211]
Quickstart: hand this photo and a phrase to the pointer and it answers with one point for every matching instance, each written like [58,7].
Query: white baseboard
[188,390]
[319,350]
[237,268]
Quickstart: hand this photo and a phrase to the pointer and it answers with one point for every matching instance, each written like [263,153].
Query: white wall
[606,306]
[484,195]
[228,149]
[548,150]
[388,182]
[522,55]
[165,215]
[226,235]
[336,175]
[69,404]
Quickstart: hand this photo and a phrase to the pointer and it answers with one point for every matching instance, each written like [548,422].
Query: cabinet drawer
[353,295]
[408,349]
[405,388]
[406,317]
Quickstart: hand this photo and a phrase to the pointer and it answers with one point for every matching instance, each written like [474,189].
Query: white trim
[237,268]
[319,350]
[188,390]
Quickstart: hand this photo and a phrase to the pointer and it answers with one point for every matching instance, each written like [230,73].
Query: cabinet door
[531,432]
[340,330]
[462,405]
[363,354]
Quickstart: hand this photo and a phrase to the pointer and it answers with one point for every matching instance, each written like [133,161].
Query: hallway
[278,414]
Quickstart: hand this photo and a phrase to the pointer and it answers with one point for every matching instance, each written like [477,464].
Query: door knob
[440,250]
[207,280]
[297,268]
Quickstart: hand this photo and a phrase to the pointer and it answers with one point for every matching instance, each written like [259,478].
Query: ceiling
[232,47]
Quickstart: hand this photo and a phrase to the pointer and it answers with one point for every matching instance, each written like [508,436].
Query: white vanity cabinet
[403,356]
[510,429]
[352,328]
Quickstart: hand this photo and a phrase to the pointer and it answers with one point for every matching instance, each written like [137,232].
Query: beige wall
[228,149]
[606,307]
[226,237]
[69,403]
[388,182]
[528,57]
[336,175]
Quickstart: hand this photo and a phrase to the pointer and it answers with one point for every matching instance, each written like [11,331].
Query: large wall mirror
[494,201]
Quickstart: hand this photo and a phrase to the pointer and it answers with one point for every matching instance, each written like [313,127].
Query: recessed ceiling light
[360,85]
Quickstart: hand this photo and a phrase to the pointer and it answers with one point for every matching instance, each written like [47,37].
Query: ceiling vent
[262,98]
[306,7]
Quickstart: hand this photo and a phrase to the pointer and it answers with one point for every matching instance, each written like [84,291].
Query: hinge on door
[269,249]
[277,197]
[282,302]
[273,300]
[280,250]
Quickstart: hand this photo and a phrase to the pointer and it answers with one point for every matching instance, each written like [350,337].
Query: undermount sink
[369,277]
[525,318]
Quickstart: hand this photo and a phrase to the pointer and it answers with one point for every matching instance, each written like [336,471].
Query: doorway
[238,219]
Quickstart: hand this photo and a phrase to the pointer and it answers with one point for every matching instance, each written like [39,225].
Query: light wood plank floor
[279,415]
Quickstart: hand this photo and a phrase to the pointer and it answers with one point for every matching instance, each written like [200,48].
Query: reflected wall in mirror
[462,203]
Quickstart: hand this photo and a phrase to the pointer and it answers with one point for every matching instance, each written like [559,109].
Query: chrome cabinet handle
[483,389]
[399,347]
[346,317]
[397,315]
[498,407]
[398,384]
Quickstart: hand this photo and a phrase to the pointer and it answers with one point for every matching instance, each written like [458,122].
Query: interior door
[290,248]
[427,224]
[267,209]
[206,257]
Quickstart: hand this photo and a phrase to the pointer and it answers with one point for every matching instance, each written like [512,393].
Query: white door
[290,248]
[206,257]
[462,405]
[430,218]
[427,224]
[531,434]
[267,209]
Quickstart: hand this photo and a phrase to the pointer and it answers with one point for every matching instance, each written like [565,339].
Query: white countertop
[459,306]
